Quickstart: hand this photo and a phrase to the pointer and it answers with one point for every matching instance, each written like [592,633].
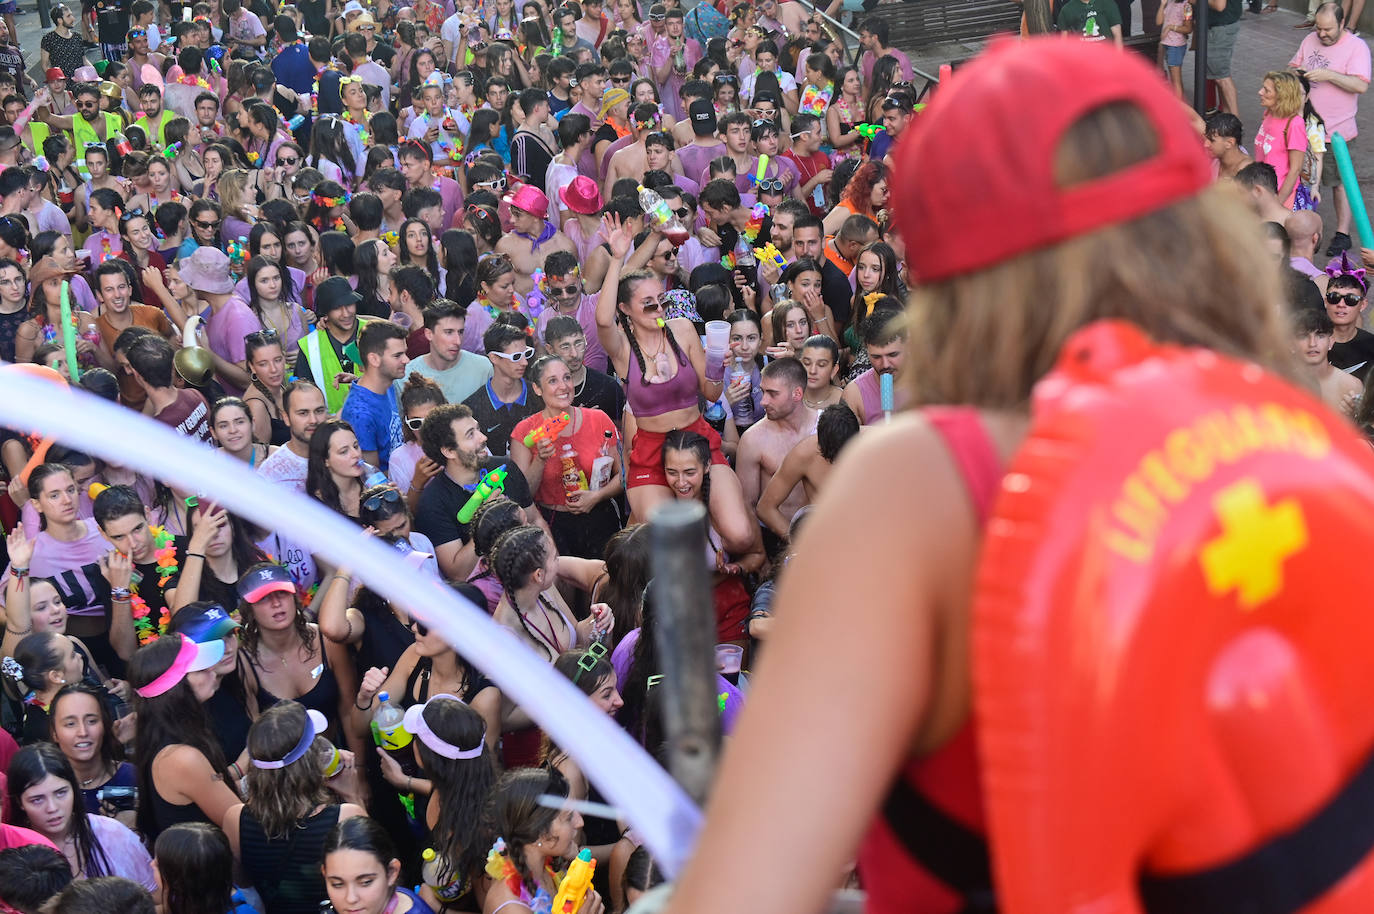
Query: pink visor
[190,658]
[415,723]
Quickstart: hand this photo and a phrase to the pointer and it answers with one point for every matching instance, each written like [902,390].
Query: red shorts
[646,454]
[731,601]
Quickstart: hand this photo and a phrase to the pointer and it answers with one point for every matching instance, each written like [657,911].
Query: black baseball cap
[703,115]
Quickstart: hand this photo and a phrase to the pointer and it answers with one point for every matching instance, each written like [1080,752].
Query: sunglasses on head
[388,495]
[1350,298]
[261,337]
[594,654]
[659,17]
[528,353]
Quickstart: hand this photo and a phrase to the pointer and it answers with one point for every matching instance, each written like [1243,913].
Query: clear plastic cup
[717,336]
[729,658]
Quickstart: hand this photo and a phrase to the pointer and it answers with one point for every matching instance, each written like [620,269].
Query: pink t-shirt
[1349,55]
[1273,142]
[1174,15]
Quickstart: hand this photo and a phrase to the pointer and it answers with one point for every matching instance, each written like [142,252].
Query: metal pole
[1200,15]
[685,636]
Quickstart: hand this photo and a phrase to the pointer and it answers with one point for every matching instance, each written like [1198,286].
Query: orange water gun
[550,428]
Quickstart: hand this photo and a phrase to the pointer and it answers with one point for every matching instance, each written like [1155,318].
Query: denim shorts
[1174,54]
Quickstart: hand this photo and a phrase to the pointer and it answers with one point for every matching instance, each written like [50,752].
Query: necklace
[551,639]
[809,404]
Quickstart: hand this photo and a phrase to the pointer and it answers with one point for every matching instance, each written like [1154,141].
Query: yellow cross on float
[1255,540]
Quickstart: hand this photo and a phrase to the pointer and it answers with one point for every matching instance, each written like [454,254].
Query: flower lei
[751,231]
[361,125]
[500,868]
[165,556]
[495,311]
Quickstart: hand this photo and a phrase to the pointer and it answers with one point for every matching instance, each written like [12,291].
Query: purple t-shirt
[623,656]
[74,568]
[695,158]
[586,316]
[226,328]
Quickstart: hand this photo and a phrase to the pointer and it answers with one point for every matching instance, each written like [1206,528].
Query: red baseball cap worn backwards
[982,155]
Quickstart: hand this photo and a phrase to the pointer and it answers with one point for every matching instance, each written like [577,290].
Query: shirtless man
[787,420]
[140,55]
[807,464]
[1312,336]
[630,160]
[533,237]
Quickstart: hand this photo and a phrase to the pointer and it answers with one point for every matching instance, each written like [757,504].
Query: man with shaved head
[1304,229]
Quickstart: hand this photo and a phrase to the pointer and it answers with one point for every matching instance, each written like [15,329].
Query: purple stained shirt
[123,851]
[72,566]
[225,330]
[586,316]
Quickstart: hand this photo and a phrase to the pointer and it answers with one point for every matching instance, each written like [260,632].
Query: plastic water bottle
[387,731]
[605,460]
[744,409]
[372,476]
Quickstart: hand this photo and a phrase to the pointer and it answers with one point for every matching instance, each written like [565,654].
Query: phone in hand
[120,799]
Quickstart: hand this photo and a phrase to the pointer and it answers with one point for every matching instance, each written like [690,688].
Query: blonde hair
[1287,93]
[232,188]
[1193,273]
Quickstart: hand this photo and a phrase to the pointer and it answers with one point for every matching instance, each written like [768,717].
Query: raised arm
[339,622]
[607,330]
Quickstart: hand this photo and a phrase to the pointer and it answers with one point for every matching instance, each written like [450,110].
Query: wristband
[121,593]
[18,573]
[196,555]
[360,707]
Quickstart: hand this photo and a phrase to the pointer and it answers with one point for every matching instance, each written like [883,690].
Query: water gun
[238,253]
[757,176]
[550,428]
[870,131]
[886,396]
[171,151]
[572,891]
[771,254]
[69,332]
[490,484]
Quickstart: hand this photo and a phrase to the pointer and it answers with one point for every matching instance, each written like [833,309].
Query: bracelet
[236,771]
[360,707]
[196,555]
[18,572]
[409,780]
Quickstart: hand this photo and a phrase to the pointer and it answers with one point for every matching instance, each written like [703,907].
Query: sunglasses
[414,424]
[727,78]
[261,337]
[668,255]
[497,185]
[516,356]
[594,654]
[419,628]
[137,33]
[1350,298]
[283,160]
[683,212]
[208,226]
[771,185]
[659,18]
[388,496]
[620,80]
[563,291]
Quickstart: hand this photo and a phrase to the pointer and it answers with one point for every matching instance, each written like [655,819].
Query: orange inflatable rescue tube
[1172,643]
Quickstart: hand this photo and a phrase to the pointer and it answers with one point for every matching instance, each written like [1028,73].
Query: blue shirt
[376,420]
[293,68]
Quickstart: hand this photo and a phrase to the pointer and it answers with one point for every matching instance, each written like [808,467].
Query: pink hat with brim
[581,195]
[190,658]
[530,199]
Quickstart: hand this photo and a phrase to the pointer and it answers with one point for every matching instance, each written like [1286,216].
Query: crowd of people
[493,282]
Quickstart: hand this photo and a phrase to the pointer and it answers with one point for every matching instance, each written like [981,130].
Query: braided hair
[515,814]
[622,297]
[517,554]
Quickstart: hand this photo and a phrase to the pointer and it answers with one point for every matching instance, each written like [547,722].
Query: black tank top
[166,814]
[286,871]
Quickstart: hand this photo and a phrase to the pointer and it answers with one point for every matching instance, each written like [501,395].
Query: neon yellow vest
[83,132]
[324,365]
